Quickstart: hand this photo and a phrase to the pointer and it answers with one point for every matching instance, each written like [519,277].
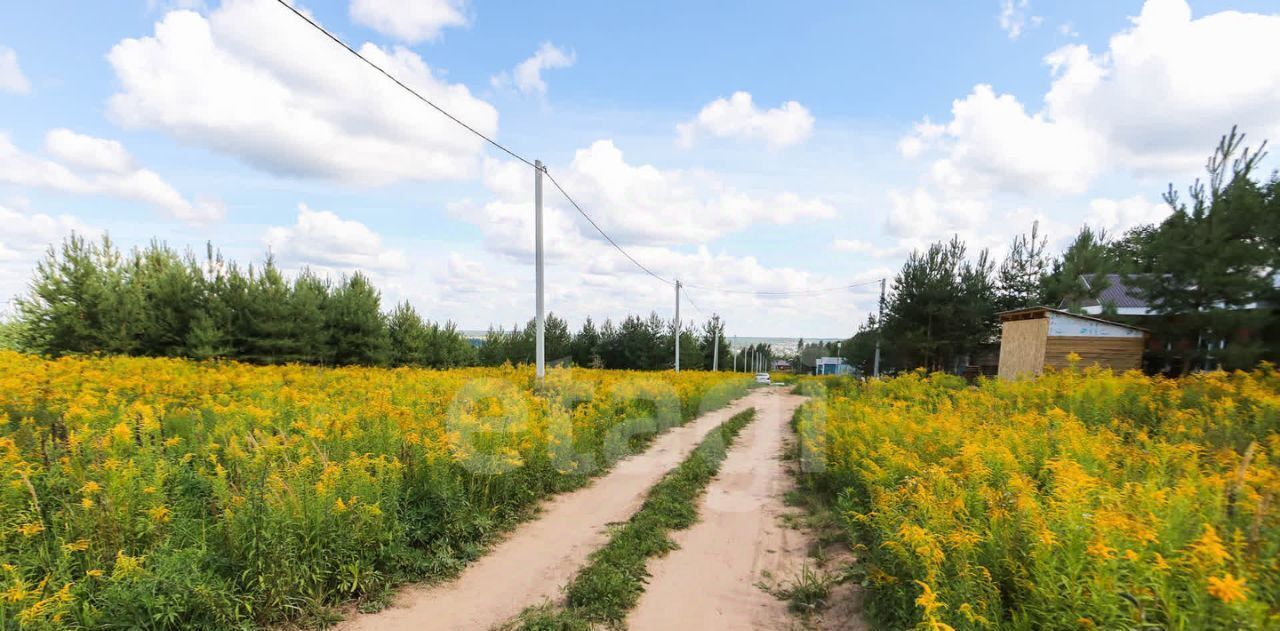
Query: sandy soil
[540,557]
[710,582]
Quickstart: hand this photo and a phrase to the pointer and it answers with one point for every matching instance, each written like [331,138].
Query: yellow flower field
[153,493]
[1082,499]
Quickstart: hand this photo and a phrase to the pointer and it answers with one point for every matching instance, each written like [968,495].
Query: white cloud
[253,81]
[527,75]
[11,77]
[859,246]
[1118,215]
[1015,17]
[912,145]
[738,117]
[1152,105]
[27,234]
[410,21]
[638,204]
[87,152]
[107,170]
[324,240]
[1167,87]
[661,217]
[23,241]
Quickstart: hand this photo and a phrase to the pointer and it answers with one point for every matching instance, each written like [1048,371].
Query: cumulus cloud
[1118,215]
[322,239]
[527,75]
[638,204]
[1151,105]
[87,152]
[23,241]
[11,77]
[738,117]
[95,166]
[410,21]
[252,81]
[661,217]
[27,234]
[1154,103]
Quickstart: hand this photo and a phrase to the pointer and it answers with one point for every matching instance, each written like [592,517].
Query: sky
[777,147]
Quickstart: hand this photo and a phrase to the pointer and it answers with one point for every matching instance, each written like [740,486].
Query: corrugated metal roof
[1115,292]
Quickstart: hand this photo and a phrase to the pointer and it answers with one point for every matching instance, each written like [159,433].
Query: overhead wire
[546,172]
[388,75]
[601,230]
[685,293]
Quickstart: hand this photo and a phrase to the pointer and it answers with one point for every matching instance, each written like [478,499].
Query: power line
[802,292]
[691,303]
[637,263]
[602,232]
[399,83]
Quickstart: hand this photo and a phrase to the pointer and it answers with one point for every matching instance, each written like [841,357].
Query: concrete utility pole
[715,353]
[541,352]
[875,371]
[677,325]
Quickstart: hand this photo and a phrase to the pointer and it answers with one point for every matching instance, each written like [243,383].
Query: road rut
[540,557]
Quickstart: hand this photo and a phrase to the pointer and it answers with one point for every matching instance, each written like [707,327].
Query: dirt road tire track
[540,557]
[710,581]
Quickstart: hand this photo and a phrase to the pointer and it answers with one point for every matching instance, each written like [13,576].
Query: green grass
[611,583]
[807,592]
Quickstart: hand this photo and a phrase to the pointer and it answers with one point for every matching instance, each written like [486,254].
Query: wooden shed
[1035,337]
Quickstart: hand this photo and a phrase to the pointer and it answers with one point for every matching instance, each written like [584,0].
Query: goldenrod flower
[1227,588]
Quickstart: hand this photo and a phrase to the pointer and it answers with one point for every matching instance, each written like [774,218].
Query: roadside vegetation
[170,494]
[613,580]
[1080,499]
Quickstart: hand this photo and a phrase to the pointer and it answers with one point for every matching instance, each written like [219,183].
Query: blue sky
[771,147]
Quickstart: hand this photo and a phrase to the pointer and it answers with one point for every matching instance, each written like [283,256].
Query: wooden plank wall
[1118,353]
[1022,347]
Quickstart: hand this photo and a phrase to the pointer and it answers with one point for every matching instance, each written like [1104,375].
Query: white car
[762,377]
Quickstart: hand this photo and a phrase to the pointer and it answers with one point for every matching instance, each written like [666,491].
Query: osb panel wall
[1118,353]
[1022,347]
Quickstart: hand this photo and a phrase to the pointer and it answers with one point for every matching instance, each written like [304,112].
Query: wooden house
[1036,337]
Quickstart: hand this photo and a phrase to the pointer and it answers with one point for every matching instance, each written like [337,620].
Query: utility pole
[875,371]
[715,352]
[541,352]
[677,325]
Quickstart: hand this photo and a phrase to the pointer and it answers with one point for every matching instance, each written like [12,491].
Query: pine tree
[408,337]
[308,301]
[268,319]
[584,346]
[1214,265]
[1021,276]
[1090,254]
[356,325]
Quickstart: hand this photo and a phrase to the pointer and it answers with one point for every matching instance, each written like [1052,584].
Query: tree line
[637,343]
[1208,272]
[89,297]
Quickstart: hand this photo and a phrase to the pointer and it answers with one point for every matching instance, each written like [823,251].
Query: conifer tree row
[88,297]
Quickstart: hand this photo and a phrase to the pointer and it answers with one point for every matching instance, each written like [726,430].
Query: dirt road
[709,583]
[540,557]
